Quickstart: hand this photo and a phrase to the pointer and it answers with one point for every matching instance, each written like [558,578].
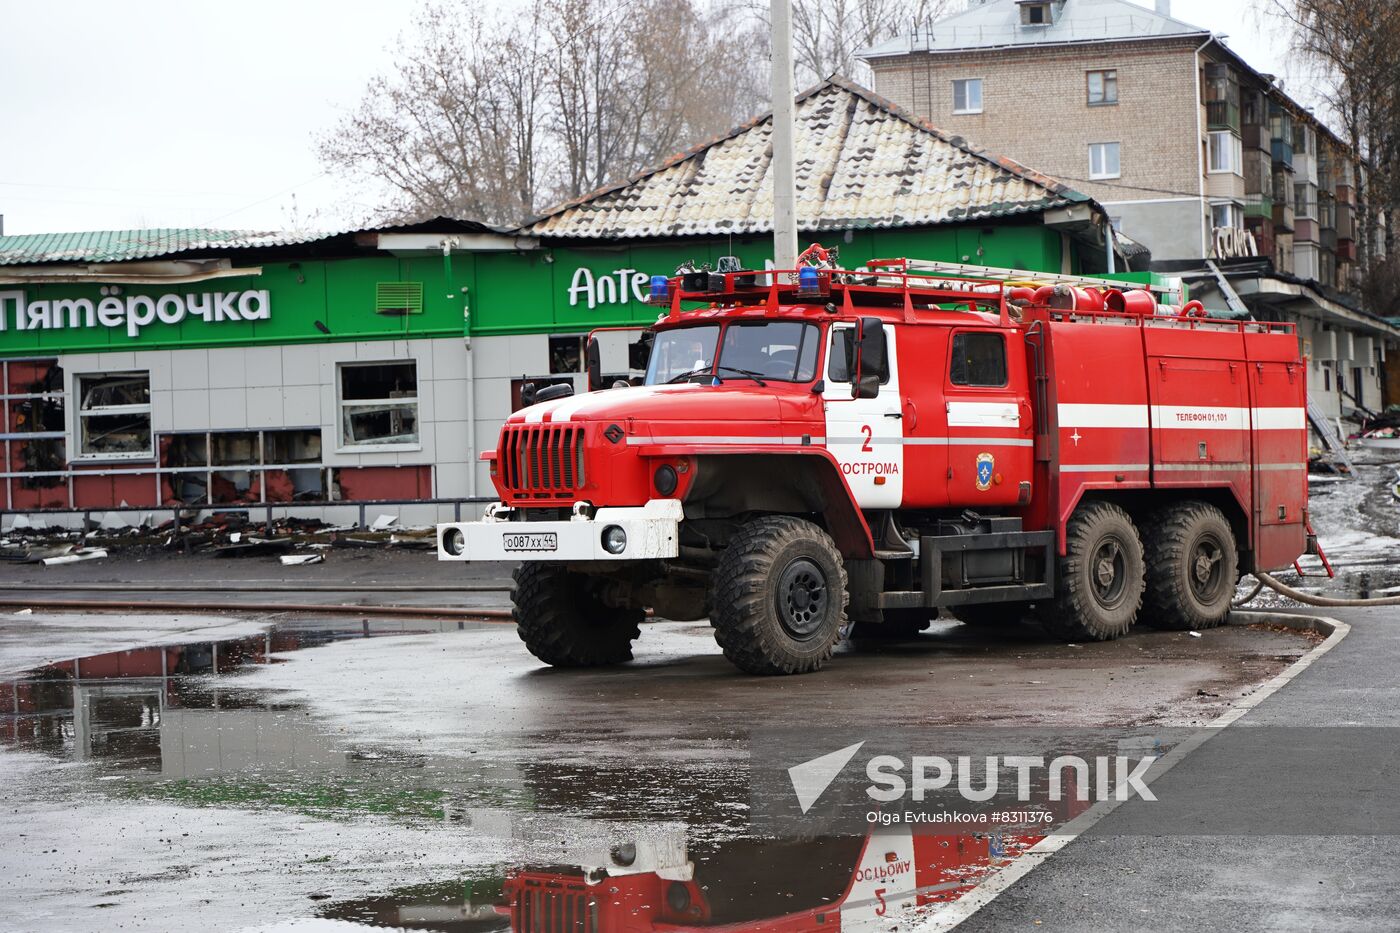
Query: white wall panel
[189,369]
[265,407]
[452,441]
[228,408]
[263,366]
[450,397]
[191,409]
[228,368]
[301,365]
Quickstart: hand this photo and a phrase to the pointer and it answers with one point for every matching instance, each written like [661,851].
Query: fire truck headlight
[454,542]
[614,539]
[665,479]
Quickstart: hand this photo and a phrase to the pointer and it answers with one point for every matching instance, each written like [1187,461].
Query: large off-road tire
[898,624]
[990,615]
[1192,565]
[1099,590]
[779,598]
[563,622]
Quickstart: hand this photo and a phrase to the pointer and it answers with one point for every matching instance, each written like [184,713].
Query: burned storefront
[307,375]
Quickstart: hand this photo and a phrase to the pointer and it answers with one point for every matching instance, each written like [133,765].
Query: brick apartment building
[1193,153]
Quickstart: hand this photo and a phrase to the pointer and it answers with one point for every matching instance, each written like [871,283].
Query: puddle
[537,833]
[177,724]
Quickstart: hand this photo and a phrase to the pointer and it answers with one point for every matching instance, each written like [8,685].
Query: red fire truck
[821,448]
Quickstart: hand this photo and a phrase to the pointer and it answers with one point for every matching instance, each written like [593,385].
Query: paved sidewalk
[1114,883]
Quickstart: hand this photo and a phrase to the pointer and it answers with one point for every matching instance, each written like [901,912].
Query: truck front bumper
[651,531]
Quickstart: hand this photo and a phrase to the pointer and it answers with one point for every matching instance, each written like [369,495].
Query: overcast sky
[162,113]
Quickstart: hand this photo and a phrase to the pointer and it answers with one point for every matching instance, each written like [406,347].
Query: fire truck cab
[825,452]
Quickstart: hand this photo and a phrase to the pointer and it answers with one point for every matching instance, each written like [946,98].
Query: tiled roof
[861,162]
[126,245]
[997,23]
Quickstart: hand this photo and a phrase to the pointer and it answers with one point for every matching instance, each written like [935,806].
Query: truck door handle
[894,414]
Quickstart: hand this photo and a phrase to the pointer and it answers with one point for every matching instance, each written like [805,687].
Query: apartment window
[1103,88]
[114,416]
[967,95]
[379,405]
[1103,160]
[1225,153]
[1227,215]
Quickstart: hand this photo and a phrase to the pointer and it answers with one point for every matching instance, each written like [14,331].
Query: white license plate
[547,541]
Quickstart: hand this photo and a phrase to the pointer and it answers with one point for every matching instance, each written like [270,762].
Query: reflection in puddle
[587,849]
[847,883]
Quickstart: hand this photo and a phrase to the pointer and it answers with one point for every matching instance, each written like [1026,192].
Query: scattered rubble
[75,556]
[220,534]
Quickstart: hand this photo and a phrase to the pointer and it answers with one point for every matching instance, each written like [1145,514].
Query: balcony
[1255,136]
[1328,238]
[1304,230]
[1258,174]
[1346,223]
[1346,251]
[1223,115]
[1283,216]
[1259,207]
[1282,152]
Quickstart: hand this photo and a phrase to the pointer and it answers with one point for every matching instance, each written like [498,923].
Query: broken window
[566,354]
[114,415]
[33,393]
[379,404]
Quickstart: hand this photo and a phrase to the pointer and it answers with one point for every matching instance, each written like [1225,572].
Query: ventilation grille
[398,298]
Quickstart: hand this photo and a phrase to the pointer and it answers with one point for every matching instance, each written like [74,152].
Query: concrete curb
[951,915]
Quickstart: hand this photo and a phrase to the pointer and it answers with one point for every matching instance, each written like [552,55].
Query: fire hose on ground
[1310,599]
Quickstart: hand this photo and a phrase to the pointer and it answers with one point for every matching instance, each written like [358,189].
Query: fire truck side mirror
[595,365]
[870,357]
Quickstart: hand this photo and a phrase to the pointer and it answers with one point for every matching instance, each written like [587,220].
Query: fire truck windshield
[784,351]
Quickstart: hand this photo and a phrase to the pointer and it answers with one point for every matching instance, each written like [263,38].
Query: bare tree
[827,34]
[494,119]
[1350,44]
[454,128]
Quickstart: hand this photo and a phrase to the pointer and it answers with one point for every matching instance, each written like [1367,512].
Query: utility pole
[784,182]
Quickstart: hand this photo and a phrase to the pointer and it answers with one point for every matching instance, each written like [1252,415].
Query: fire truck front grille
[552,910]
[542,461]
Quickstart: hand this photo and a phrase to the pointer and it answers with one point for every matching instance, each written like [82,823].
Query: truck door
[990,435]
[865,435]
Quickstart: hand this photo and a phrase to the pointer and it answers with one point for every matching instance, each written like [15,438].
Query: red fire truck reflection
[832,883]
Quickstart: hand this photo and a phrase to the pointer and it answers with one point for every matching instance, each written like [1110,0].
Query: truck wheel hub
[1108,570]
[802,597]
[1205,568]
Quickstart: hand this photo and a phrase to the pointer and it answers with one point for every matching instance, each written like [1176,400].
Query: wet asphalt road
[383,768]
[1110,882]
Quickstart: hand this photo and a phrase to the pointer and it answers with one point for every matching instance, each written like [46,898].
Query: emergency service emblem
[986,463]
